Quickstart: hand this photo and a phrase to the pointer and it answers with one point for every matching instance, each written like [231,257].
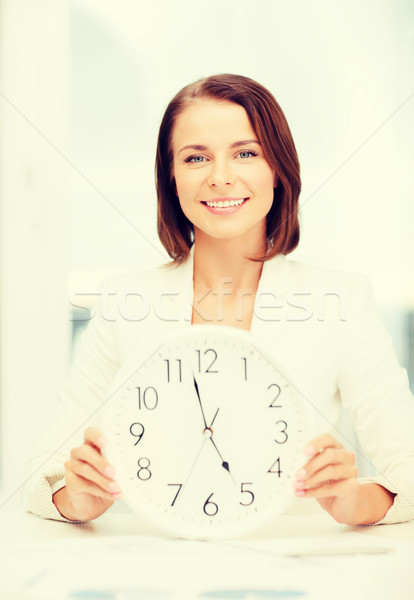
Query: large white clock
[206,430]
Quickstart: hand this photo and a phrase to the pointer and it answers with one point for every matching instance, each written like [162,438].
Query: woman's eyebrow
[233,145]
[244,143]
[193,147]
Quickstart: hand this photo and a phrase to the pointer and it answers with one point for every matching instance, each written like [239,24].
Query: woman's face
[223,181]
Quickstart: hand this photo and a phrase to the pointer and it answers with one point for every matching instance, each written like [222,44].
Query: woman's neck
[218,260]
[225,280]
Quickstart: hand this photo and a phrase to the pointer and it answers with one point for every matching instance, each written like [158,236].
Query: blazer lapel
[269,316]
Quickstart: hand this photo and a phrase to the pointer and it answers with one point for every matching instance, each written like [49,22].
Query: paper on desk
[130,568]
[342,544]
[133,567]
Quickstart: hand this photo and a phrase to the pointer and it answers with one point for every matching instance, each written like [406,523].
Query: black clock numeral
[170,375]
[208,503]
[277,392]
[282,432]
[243,491]
[180,485]
[137,430]
[148,398]
[143,472]
[245,367]
[212,357]
[278,472]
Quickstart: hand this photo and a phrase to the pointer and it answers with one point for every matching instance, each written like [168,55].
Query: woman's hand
[330,476]
[90,487]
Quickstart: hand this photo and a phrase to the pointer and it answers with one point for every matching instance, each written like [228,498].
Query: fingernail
[101,441]
[301,475]
[309,450]
[299,492]
[298,485]
[109,471]
[114,487]
[117,496]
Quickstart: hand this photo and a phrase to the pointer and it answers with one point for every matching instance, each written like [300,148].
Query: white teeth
[226,203]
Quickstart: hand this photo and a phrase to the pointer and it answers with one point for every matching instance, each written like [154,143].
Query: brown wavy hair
[269,124]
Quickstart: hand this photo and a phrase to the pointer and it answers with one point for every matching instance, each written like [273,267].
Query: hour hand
[209,433]
[224,463]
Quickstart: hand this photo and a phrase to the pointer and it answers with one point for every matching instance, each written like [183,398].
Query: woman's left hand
[330,476]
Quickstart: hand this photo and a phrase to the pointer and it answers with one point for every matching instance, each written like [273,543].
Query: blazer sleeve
[79,402]
[375,390]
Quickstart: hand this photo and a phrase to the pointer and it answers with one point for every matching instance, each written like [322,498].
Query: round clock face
[206,431]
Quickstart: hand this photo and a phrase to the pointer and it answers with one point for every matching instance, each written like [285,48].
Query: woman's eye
[195,159]
[247,153]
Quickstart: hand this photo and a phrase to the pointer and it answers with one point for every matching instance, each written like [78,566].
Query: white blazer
[323,323]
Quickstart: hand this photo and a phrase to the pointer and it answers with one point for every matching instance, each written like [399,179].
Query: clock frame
[206,431]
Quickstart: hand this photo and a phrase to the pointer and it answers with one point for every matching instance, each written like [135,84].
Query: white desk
[117,557]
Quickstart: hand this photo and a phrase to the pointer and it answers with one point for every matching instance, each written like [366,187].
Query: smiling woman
[232,129]
[228,186]
[227,191]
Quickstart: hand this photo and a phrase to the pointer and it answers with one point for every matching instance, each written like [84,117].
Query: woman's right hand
[90,487]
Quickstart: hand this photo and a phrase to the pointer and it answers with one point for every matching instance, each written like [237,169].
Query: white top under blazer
[323,323]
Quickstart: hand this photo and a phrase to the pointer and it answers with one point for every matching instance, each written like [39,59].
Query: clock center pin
[208,432]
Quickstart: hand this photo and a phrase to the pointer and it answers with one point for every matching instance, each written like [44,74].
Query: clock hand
[214,418]
[208,429]
[194,463]
[224,463]
[199,399]
[208,432]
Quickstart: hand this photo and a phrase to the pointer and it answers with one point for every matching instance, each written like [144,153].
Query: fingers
[341,489]
[321,443]
[87,471]
[94,437]
[327,476]
[331,470]
[328,465]
[77,485]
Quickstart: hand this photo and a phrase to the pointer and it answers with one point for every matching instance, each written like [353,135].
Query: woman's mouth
[225,205]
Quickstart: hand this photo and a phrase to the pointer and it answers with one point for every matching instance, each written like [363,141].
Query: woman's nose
[221,174]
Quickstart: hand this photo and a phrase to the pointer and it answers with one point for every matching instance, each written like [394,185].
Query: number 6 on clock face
[206,430]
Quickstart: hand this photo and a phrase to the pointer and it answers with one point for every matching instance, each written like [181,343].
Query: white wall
[34,201]
[94,77]
[342,73]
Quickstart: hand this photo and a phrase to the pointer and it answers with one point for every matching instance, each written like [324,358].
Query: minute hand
[199,399]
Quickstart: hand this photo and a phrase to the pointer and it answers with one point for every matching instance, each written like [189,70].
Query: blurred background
[83,86]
